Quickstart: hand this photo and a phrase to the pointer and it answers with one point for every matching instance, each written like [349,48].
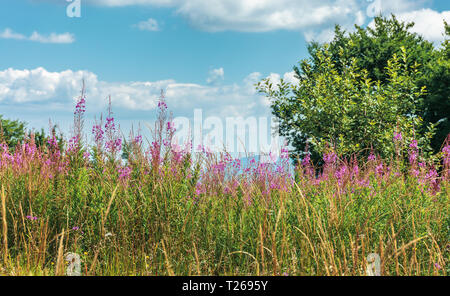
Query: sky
[205,54]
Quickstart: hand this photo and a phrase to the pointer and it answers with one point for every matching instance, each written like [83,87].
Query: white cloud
[215,76]
[9,34]
[60,89]
[427,22]
[37,37]
[316,19]
[52,38]
[133,2]
[148,25]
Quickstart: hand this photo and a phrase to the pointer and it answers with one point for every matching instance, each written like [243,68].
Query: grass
[168,212]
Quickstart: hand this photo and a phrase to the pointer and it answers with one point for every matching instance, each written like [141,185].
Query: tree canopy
[357,90]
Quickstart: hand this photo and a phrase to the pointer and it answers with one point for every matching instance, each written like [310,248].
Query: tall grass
[167,212]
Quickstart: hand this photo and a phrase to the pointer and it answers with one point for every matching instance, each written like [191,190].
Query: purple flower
[413,144]
[162,105]
[86,155]
[284,153]
[73,144]
[52,142]
[397,136]
[170,126]
[138,140]
[124,173]
[80,108]
[412,156]
[75,228]
[306,159]
[330,158]
[32,218]
[379,169]
[109,125]
[98,133]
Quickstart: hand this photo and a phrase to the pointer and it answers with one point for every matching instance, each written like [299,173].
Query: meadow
[166,211]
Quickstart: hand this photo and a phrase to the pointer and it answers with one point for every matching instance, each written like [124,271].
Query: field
[165,211]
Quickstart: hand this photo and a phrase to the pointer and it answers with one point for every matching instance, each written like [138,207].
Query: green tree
[437,81]
[372,47]
[11,131]
[344,108]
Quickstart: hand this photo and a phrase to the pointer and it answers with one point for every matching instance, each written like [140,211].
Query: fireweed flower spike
[397,136]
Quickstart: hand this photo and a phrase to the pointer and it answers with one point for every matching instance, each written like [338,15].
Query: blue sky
[205,53]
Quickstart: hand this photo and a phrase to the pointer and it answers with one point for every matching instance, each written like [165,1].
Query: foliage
[372,48]
[11,131]
[345,109]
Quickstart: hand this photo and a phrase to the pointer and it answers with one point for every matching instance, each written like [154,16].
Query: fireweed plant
[166,211]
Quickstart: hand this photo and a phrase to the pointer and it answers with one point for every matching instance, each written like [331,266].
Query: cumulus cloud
[215,76]
[60,90]
[316,19]
[427,22]
[148,25]
[37,37]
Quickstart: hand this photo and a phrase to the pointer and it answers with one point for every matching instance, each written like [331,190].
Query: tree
[437,81]
[342,107]
[371,49]
[11,131]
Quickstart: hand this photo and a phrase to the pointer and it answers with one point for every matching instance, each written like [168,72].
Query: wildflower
[284,153]
[379,169]
[340,173]
[124,173]
[75,228]
[437,266]
[306,159]
[162,105]
[355,170]
[446,151]
[98,133]
[170,126]
[114,145]
[73,144]
[138,140]
[86,155]
[52,142]
[397,136]
[32,218]
[413,144]
[330,158]
[109,125]
[371,157]
[80,108]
